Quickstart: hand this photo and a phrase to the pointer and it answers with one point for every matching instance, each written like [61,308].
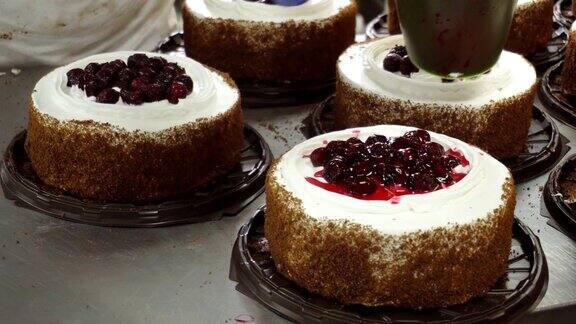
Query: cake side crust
[355,264]
[500,128]
[531,28]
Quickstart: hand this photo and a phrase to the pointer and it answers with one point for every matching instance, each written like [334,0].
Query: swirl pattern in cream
[362,66]
[472,198]
[210,97]
[255,11]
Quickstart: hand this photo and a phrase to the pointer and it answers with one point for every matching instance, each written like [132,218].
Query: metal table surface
[54,271]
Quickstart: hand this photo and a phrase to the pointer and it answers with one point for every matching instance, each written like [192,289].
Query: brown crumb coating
[499,128]
[568,79]
[98,161]
[356,264]
[531,28]
[297,51]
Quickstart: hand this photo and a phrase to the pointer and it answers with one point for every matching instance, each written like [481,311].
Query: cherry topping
[140,79]
[109,96]
[318,156]
[131,97]
[383,167]
[177,91]
[392,62]
[397,60]
[74,77]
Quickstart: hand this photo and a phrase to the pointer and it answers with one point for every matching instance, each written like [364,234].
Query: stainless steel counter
[54,271]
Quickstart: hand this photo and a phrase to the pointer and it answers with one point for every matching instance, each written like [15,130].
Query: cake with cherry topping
[270,41]
[531,28]
[390,216]
[133,127]
[378,84]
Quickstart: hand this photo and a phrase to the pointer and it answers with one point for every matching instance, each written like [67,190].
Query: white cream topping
[255,11]
[474,197]
[361,65]
[526,2]
[210,97]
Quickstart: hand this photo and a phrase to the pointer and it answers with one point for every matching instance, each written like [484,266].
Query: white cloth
[57,32]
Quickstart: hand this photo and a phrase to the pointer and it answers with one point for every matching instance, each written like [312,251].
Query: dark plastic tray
[553,99]
[261,94]
[563,13]
[521,289]
[563,212]
[542,59]
[226,196]
[544,147]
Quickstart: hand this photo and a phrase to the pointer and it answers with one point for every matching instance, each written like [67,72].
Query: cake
[531,27]
[390,216]
[173,125]
[492,111]
[259,41]
[568,77]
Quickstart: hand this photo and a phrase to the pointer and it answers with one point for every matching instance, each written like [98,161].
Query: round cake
[133,127]
[264,41]
[568,79]
[531,27]
[390,216]
[492,111]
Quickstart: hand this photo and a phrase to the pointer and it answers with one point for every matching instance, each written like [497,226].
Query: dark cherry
[108,96]
[376,139]
[92,68]
[422,182]
[360,185]
[380,151]
[406,66]
[176,91]
[419,136]
[137,60]
[433,149]
[140,84]
[400,50]
[157,63]
[173,69]
[146,71]
[131,97]
[124,79]
[363,168]
[185,80]
[92,88]
[74,77]
[319,156]
[402,143]
[154,92]
[164,79]
[392,62]
[334,170]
